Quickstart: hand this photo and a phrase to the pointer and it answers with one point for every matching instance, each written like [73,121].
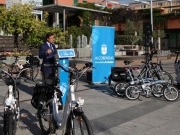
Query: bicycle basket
[34,61]
[39,89]
[118,74]
[8,81]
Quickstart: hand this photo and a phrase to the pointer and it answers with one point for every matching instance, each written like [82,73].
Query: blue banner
[103,54]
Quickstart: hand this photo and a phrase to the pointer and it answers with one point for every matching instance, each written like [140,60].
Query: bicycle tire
[168,77]
[45,122]
[5,68]
[157,90]
[120,88]
[168,90]
[132,92]
[10,123]
[78,124]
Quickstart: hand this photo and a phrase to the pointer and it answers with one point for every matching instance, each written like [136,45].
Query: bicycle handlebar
[71,70]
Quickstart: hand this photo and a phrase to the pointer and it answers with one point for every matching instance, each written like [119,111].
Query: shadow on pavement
[30,123]
[26,89]
[101,88]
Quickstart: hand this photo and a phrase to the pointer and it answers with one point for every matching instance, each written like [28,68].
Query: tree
[157,35]
[19,21]
[121,15]
[132,33]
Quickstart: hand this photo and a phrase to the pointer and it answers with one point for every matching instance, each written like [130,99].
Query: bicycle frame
[10,100]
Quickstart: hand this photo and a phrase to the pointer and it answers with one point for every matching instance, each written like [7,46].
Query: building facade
[172,24]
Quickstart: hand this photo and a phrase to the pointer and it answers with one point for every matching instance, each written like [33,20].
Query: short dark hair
[48,35]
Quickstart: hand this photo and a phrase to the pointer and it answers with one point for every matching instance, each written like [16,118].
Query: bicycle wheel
[46,120]
[163,76]
[7,69]
[78,124]
[157,90]
[132,92]
[10,123]
[120,88]
[36,75]
[170,93]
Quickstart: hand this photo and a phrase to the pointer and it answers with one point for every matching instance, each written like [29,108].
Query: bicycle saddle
[127,62]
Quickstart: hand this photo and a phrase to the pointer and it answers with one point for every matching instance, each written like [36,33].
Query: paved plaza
[108,113]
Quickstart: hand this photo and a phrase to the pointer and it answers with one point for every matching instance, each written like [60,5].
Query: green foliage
[87,30]
[19,20]
[121,15]
[89,5]
[130,28]
[132,33]
[61,37]
[158,33]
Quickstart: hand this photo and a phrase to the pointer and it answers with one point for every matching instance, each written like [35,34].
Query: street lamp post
[151,18]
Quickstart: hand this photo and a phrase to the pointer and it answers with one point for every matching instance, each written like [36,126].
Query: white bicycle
[53,114]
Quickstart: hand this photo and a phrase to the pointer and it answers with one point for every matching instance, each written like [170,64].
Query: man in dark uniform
[47,52]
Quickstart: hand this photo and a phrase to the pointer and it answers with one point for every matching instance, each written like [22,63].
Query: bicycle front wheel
[78,124]
[10,123]
[46,120]
[132,92]
[120,88]
[170,93]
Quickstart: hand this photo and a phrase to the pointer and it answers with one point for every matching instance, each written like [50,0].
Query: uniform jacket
[47,58]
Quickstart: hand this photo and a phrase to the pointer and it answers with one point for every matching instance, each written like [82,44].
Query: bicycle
[121,85]
[33,73]
[52,114]
[155,70]
[11,102]
[157,88]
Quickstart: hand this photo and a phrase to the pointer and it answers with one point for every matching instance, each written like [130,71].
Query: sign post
[64,55]
[103,54]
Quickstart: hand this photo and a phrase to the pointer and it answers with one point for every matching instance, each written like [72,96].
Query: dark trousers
[48,78]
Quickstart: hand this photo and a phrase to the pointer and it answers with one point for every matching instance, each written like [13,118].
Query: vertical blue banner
[64,79]
[103,54]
